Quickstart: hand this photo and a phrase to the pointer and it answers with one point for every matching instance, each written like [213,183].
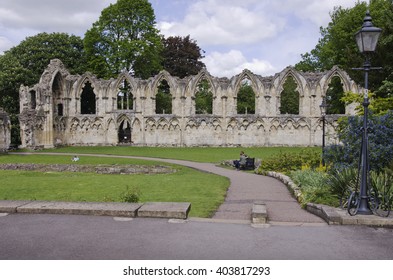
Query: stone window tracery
[125,98]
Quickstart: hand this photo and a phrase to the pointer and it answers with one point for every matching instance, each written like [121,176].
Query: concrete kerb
[155,209]
[337,216]
[333,216]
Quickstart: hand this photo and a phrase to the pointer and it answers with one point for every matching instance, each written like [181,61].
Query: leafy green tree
[289,97]
[337,45]
[204,98]
[25,63]
[124,39]
[334,96]
[246,99]
[182,56]
[163,99]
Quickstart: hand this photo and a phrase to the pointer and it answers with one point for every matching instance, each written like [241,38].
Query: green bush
[288,162]
[131,195]
[342,183]
[313,187]
[382,186]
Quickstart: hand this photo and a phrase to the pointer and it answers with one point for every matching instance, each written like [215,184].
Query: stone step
[171,210]
[259,213]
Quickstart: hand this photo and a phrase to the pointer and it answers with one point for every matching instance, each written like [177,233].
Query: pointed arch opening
[57,95]
[124,132]
[204,98]
[125,98]
[246,98]
[88,100]
[334,95]
[163,98]
[290,97]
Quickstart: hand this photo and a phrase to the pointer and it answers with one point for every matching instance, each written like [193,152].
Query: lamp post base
[364,209]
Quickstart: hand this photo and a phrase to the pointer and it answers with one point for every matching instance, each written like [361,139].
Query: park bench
[250,164]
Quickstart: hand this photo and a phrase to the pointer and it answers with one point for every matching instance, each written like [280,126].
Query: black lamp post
[366,39]
[323,108]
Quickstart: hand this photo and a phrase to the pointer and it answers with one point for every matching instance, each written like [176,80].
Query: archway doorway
[124,132]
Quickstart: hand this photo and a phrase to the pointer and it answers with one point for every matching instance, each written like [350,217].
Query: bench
[250,164]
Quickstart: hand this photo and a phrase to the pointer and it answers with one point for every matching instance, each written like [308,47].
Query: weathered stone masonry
[65,109]
[5,131]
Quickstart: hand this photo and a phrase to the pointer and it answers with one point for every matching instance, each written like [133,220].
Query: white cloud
[270,34]
[22,18]
[260,35]
[212,23]
[234,62]
[5,44]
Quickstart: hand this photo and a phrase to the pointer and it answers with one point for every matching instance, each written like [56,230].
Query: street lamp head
[367,37]
[323,107]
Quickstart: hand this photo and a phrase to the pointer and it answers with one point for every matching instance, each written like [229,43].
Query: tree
[337,45]
[289,97]
[25,63]
[124,39]
[181,56]
[246,99]
[204,98]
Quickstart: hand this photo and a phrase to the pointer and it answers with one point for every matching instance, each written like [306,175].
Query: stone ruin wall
[5,131]
[50,111]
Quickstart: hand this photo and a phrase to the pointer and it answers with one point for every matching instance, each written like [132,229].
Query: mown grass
[198,154]
[205,191]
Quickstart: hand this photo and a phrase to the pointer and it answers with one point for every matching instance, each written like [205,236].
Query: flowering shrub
[350,132]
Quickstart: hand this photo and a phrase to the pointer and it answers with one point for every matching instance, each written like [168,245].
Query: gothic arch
[193,83]
[125,100]
[336,72]
[58,94]
[164,75]
[282,77]
[246,74]
[55,66]
[80,83]
[87,97]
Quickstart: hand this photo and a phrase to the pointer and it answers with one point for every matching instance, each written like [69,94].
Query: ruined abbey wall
[5,131]
[65,109]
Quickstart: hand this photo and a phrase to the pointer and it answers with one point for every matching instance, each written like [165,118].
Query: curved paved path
[245,188]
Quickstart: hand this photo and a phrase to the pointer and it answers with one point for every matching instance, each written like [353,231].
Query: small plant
[342,183]
[313,187]
[382,186]
[130,195]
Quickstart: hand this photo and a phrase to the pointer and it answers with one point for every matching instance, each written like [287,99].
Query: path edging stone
[173,210]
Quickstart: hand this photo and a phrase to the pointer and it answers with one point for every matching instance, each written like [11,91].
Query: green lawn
[199,154]
[205,191]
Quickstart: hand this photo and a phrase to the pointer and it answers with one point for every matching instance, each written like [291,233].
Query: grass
[198,154]
[205,191]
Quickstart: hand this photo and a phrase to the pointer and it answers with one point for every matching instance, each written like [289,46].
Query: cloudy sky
[263,36]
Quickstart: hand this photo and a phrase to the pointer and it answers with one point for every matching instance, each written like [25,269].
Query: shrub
[313,187]
[342,182]
[350,135]
[130,195]
[287,162]
[382,185]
